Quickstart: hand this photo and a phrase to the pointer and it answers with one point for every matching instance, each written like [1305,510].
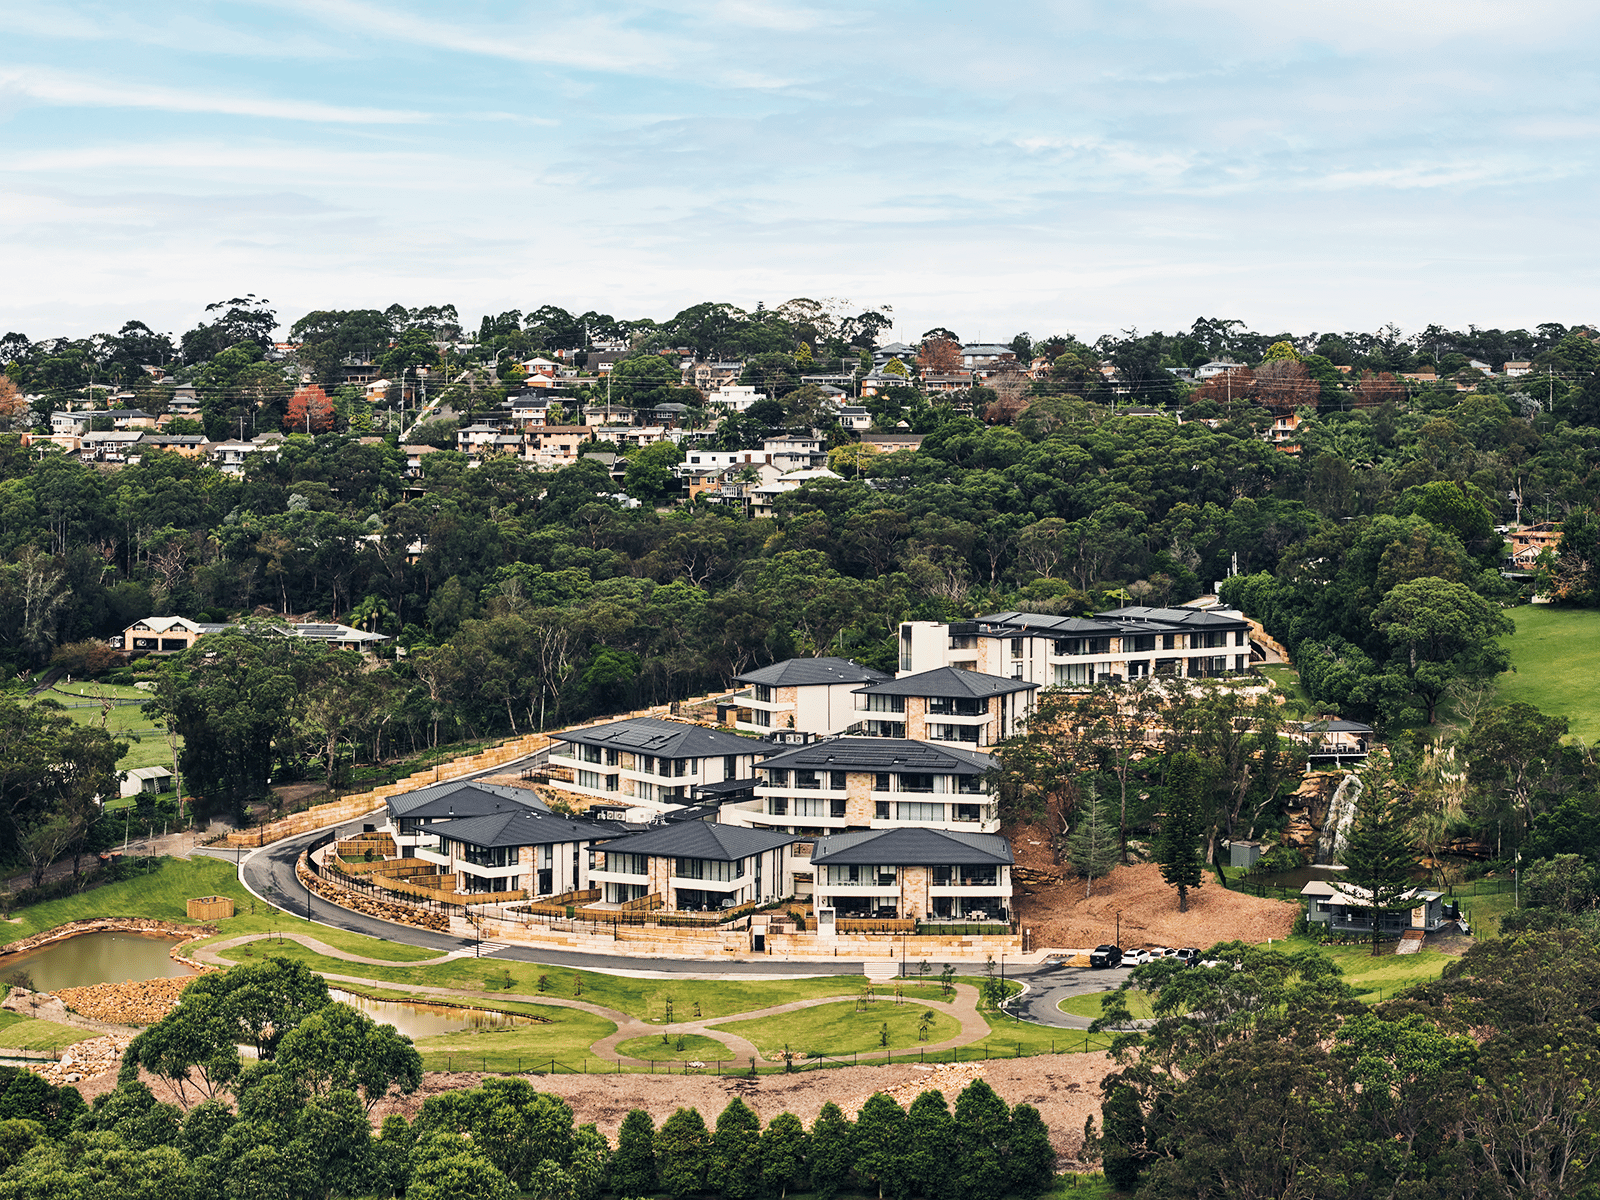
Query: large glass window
[909,782]
[812,806]
[1072,647]
[946,706]
[809,781]
[626,864]
[763,693]
[711,869]
[778,779]
[485,856]
[953,733]
[888,704]
[1073,674]
[908,811]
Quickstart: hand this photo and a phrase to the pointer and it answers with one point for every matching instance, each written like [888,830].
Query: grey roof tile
[808,672]
[947,682]
[881,754]
[666,739]
[463,798]
[911,848]
[701,839]
[520,827]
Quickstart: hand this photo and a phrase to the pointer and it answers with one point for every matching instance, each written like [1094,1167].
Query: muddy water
[96,958]
[428,1020]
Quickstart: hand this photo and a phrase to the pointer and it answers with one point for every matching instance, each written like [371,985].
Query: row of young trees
[292,1123]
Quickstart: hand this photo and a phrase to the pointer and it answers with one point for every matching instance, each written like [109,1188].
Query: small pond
[428,1020]
[93,958]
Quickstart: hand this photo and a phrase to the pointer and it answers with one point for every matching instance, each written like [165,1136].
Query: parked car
[1105,956]
[1190,955]
[1137,958]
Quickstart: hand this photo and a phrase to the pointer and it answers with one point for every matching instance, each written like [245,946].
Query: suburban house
[111,446]
[411,815]
[888,443]
[913,874]
[1343,908]
[145,781]
[167,635]
[189,445]
[812,695]
[1217,366]
[854,417]
[1053,651]
[765,496]
[945,705]
[843,783]
[1334,740]
[795,452]
[651,764]
[555,445]
[695,866]
[985,358]
[517,849]
[1514,369]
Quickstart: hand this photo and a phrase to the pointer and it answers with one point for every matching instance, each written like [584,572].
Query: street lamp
[1119,929]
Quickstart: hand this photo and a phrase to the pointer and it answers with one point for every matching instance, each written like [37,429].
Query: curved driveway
[1048,986]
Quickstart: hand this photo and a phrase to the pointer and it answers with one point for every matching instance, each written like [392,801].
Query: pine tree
[880,1146]
[1378,850]
[832,1151]
[1092,846]
[929,1132]
[1178,847]
[1031,1158]
[735,1152]
[783,1155]
[633,1166]
[982,1130]
[683,1153]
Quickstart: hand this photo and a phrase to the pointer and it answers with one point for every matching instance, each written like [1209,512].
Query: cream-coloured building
[837,784]
[913,874]
[523,849]
[650,764]
[696,866]
[945,705]
[810,695]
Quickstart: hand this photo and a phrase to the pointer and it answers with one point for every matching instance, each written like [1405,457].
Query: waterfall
[1336,826]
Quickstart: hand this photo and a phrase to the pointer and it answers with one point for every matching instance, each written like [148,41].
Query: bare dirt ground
[1065,1088]
[1051,901]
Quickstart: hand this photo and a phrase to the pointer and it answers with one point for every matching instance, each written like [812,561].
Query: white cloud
[50,87]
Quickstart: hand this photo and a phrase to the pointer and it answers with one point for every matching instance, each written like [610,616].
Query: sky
[1078,166]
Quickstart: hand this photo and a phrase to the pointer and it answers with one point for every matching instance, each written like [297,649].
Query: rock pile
[362,903]
[142,1002]
[948,1078]
[85,1060]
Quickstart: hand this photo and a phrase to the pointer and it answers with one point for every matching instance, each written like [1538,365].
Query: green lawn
[695,1049]
[565,1039]
[838,1029]
[1089,1005]
[1556,656]
[18,1032]
[147,742]
[1377,978]
[1287,680]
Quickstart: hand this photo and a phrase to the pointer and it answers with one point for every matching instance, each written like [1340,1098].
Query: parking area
[1049,986]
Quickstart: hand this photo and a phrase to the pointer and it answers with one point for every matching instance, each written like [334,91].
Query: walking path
[964,1007]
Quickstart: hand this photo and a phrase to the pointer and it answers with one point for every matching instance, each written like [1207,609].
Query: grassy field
[1089,1005]
[18,1032]
[838,1029]
[695,1049]
[1556,656]
[1287,680]
[564,1039]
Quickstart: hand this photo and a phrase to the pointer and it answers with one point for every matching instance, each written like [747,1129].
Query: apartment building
[695,866]
[844,783]
[945,705]
[1053,651]
[522,849]
[914,874]
[811,695]
[414,817]
[650,764]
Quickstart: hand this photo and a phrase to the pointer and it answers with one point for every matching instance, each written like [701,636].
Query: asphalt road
[269,873]
[1048,986]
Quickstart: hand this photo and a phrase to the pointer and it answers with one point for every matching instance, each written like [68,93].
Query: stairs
[1410,942]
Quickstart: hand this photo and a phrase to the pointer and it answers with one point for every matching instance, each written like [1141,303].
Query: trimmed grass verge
[18,1032]
[1088,1006]
[695,1049]
[1556,656]
[838,1029]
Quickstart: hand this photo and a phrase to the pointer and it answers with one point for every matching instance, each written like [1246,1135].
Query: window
[485,856]
[970,785]
[1067,647]
[591,779]
[968,812]
[953,733]
[915,783]
[1240,661]
[905,647]
[880,810]
[1214,638]
[836,781]
[1016,647]
[836,808]
[761,717]
[546,856]
[880,782]
[809,781]
[1239,638]
[965,642]
[645,791]
[707,868]
[626,864]
[1169,641]
[730,766]
[647,764]
[588,754]
[888,704]
[904,811]
[945,706]
[763,693]
[612,757]
[777,779]
[777,806]
[1139,642]
[1168,666]
[1073,674]
[613,783]
[812,806]
[887,729]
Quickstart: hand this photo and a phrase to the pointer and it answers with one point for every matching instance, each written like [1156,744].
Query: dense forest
[521,599]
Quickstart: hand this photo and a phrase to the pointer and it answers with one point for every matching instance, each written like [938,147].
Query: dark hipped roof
[881,754]
[911,848]
[1059,626]
[947,682]
[463,798]
[1190,618]
[667,739]
[520,827]
[701,839]
[1335,725]
[1132,618]
[808,672]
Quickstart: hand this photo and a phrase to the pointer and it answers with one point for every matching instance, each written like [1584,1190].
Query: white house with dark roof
[945,705]
[521,848]
[1054,651]
[413,816]
[810,695]
[695,866]
[1346,908]
[913,874]
[651,764]
[844,783]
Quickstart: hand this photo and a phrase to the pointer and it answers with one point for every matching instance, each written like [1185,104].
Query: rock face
[1308,810]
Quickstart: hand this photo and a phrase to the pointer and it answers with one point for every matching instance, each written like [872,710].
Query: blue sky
[1052,167]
